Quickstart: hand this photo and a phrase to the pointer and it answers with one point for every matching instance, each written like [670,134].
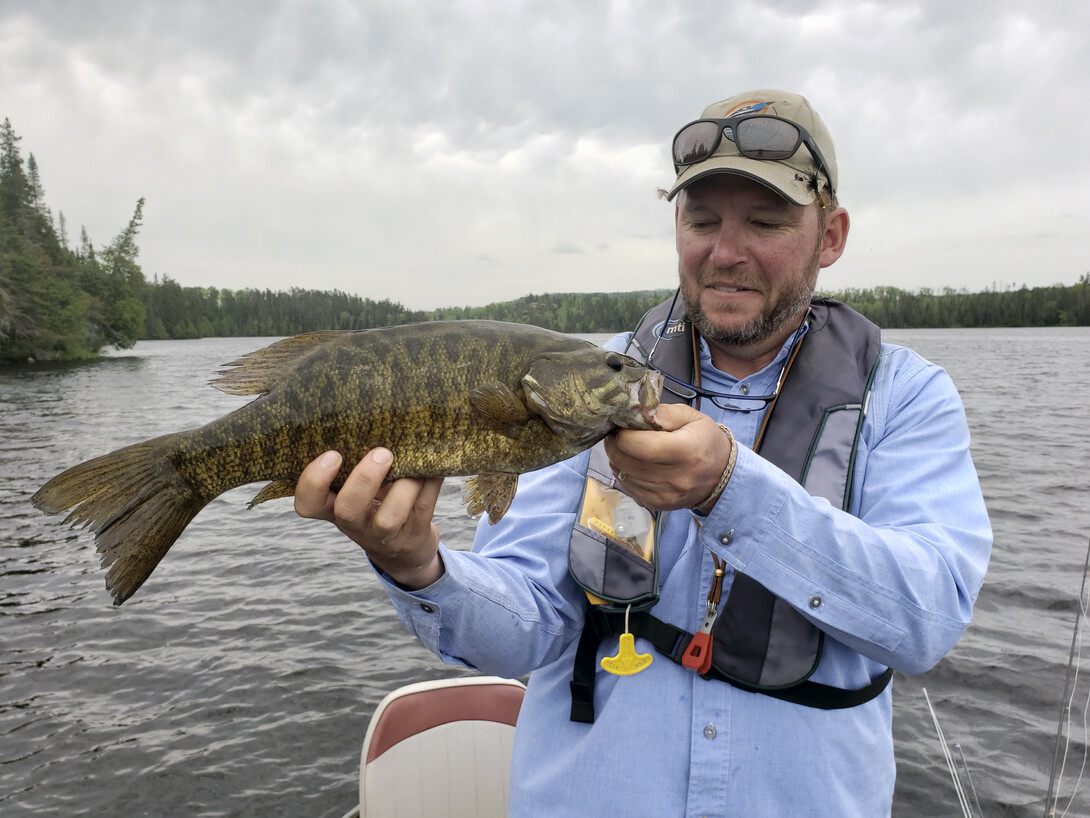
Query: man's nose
[728,249]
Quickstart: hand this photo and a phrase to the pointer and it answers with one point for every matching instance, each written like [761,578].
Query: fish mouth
[649,418]
[643,397]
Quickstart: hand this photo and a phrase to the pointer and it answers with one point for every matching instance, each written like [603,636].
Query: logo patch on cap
[746,108]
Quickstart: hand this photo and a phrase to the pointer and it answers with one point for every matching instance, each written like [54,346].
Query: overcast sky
[457,152]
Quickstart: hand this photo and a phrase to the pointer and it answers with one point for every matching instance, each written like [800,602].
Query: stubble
[763,326]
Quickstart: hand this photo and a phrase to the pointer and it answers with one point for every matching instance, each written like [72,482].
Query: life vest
[759,642]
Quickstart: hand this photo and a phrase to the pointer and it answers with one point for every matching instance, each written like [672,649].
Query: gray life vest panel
[760,642]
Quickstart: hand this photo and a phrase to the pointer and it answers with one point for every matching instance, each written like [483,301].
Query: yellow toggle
[627,661]
[601,526]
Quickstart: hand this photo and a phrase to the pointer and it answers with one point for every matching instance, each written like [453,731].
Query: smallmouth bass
[447,398]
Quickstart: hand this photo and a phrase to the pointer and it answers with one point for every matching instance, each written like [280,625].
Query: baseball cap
[793,177]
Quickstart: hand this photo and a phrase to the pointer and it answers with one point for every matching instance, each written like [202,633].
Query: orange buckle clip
[698,656]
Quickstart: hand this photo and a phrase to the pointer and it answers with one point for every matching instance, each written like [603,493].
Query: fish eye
[615,362]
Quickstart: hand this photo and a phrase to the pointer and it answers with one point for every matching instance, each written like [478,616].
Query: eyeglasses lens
[762,137]
[695,143]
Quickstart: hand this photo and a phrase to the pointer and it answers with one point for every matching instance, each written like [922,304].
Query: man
[784,607]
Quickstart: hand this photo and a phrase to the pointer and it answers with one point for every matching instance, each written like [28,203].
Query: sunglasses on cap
[757,136]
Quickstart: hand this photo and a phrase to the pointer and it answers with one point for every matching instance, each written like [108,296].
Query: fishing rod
[1074,661]
[963,796]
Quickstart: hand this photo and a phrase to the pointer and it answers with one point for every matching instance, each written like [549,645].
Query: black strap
[600,625]
[672,641]
[815,694]
[582,679]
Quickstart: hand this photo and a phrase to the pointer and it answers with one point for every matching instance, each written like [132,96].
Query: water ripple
[239,681]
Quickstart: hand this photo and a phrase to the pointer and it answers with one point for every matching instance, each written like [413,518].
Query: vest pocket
[828,467]
[609,570]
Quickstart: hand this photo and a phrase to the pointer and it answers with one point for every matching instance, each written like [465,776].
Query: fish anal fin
[500,408]
[255,372]
[491,492]
[275,490]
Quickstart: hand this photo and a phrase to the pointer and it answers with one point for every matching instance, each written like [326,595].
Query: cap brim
[795,185]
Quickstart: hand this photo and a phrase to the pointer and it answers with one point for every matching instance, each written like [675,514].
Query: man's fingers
[429,496]
[631,449]
[672,416]
[674,468]
[313,496]
[353,505]
[391,522]
[407,508]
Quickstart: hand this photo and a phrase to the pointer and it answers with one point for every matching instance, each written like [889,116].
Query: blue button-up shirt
[891,585]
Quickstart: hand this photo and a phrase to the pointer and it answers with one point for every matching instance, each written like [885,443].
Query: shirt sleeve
[508,606]
[896,579]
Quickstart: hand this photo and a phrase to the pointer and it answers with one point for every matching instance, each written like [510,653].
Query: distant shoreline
[181,313]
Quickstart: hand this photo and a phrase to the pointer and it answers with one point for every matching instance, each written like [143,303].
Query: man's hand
[392,523]
[678,467]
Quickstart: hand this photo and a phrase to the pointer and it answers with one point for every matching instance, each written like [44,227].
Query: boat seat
[441,749]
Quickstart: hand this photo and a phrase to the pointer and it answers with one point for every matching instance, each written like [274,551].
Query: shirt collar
[758,381]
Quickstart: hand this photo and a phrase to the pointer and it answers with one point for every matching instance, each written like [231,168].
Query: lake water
[239,680]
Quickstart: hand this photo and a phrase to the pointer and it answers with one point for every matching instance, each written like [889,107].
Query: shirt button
[727,537]
[426,608]
[744,389]
[709,732]
[815,602]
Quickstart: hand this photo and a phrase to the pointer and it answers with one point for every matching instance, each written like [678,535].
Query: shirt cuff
[421,611]
[722,530]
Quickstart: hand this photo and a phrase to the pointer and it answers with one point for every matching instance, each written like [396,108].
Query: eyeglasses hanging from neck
[693,392]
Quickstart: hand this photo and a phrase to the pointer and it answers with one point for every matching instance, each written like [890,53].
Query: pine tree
[122,310]
[35,192]
[13,181]
[86,250]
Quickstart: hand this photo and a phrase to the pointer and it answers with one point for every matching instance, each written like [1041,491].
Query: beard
[770,321]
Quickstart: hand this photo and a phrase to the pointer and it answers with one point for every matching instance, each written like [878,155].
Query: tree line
[1052,306]
[59,301]
[173,311]
[62,300]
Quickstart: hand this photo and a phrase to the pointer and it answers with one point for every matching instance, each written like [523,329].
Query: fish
[485,399]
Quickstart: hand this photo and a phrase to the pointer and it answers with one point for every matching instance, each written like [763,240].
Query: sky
[459,152]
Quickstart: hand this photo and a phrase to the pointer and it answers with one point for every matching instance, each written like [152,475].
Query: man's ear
[677,216]
[835,237]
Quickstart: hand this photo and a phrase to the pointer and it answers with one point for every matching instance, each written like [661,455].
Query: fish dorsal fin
[255,372]
[500,408]
[491,492]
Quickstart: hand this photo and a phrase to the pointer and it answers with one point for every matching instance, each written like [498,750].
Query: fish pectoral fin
[500,408]
[491,492]
[274,491]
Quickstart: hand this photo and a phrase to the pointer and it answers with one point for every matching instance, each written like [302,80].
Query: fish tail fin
[134,500]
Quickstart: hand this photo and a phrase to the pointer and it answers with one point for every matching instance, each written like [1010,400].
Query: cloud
[445,152]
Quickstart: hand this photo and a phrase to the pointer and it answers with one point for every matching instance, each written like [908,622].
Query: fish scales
[447,398]
[423,416]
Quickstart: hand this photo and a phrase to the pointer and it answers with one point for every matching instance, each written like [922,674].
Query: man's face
[748,261]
